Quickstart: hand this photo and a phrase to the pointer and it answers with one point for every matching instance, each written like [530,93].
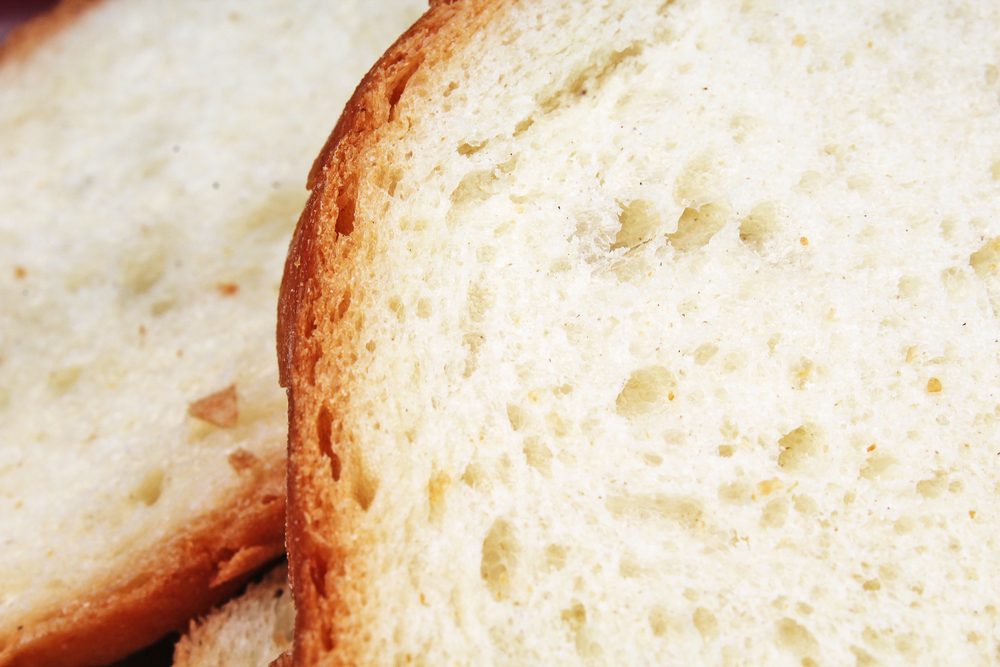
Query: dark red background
[13,12]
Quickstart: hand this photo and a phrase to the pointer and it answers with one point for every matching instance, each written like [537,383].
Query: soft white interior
[688,354]
[249,631]
[150,153]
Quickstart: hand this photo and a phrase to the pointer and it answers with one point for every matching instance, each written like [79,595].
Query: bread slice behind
[152,158]
[251,630]
[656,333]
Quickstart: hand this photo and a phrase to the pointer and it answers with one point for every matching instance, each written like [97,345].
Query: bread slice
[249,631]
[152,159]
[656,333]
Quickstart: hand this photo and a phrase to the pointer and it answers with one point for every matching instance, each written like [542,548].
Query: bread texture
[655,333]
[152,166]
[249,631]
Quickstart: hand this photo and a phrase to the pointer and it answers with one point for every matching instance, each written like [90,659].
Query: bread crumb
[20,272]
[240,459]
[227,289]
[218,409]
[803,240]
[872,447]
[245,560]
[933,386]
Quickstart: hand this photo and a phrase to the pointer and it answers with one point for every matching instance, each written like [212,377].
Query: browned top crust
[315,295]
[174,581]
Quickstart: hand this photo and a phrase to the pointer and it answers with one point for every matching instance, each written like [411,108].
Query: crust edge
[333,181]
[179,580]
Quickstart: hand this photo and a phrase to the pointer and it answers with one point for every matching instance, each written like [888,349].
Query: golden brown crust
[27,37]
[174,584]
[315,295]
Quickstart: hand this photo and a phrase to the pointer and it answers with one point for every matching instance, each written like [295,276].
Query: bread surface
[152,165]
[251,630]
[656,333]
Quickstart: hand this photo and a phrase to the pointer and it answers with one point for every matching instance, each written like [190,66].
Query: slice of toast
[249,631]
[152,159]
[654,333]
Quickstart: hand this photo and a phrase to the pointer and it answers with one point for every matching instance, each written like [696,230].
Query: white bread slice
[654,333]
[249,631]
[152,159]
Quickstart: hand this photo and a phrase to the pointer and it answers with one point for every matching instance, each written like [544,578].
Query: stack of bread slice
[620,332]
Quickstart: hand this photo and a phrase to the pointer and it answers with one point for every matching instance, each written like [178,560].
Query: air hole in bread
[706,623]
[798,446]
[555,557]
[345,303]
[704,353]
[637,223]
[645,391]
[470,147]
[62,380]
[424,309]
[774,513]
[345,211]
[697,226]
[575,616]
[629,567]
[324,438]
[516,416]
[364,485]
[589,79]
[736,493]
[472,342]
[480,301]
[317,573]
[909,287]
[759,226]
[436,487]
[877,465]
[537,455]
[474,186]
[659,621]
[679,510]
[796,637]
[145,263]
[399,85]
[986,261]
[397,307]
[150,488]
[499,558]
[933,487]
[473,475]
